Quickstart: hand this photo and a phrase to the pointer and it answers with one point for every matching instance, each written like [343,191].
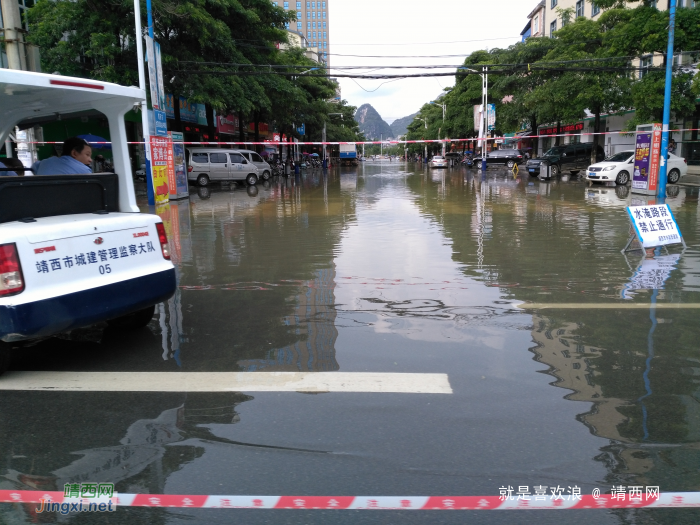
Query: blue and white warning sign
[655,225]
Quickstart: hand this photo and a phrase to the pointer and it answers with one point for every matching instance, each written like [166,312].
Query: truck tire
[251,179]
[135,320]
[202,180]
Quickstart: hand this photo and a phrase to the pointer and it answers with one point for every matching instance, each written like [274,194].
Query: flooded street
[542,355]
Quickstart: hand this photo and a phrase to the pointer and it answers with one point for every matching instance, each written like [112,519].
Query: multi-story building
[313,20]
[551,15]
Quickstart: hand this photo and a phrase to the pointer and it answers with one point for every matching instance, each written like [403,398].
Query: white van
[74,249]
[205,165]
[259,162]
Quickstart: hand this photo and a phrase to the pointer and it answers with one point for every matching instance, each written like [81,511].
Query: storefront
[547,138]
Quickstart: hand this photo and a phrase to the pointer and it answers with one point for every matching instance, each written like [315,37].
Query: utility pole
[663,169]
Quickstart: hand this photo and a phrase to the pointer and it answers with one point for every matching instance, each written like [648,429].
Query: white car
[438,162]
[620,166]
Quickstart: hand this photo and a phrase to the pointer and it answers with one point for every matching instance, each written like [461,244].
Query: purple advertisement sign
[642,161]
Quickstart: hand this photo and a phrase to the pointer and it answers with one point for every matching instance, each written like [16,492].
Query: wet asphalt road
[387,268]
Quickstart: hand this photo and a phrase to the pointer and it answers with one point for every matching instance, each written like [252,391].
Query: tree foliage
[96,39]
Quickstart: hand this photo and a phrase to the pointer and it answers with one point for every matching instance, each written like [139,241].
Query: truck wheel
[674,176]
[133,321]
[266,175]
[202,180]
[251,179]
[554,170]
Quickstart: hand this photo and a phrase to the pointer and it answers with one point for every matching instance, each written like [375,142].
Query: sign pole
[663,171]
[144,103]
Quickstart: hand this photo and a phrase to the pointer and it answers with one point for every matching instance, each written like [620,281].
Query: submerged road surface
[382,330]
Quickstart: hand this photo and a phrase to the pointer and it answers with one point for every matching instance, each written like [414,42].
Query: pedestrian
[672,147]
[75,159]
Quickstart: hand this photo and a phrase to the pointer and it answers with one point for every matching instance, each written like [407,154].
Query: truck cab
[74,249]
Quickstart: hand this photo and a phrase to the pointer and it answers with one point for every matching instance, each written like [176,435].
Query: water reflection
[559,242]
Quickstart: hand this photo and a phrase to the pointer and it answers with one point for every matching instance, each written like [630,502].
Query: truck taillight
[189,169]
[163,238]
[11,280]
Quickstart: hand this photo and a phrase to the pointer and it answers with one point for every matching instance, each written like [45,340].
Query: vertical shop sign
[161,166]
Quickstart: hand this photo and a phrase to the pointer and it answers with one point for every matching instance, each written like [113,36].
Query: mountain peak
[372,124]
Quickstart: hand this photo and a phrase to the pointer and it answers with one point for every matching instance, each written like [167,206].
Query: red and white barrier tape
[604,501]
[390,142]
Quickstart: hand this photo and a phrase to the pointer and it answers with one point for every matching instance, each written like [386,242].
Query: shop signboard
[567,128]
[162,167]
[177,185]
[188,111]
[201,114]
[226,124]
[645,177]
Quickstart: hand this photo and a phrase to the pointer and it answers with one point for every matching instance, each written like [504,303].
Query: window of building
[314,35]
[286,5]
[554,3]
[314,25]
[298,15]
[325,45]
[324,35]
[308,5]
[552,28]
[644,64]
[579,8]
[313,5]
[324,14]
[594,9]
[324,25]
[308,25]
[313,14]
[299,25]
[286,25]
[324,5]
[536,25]
[298,5]
[275,4]
[308,35]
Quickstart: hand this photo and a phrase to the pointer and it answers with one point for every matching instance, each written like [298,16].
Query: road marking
[227,382]
[608,306]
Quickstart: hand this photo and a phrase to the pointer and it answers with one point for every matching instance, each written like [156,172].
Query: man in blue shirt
[6,173]
[75,159]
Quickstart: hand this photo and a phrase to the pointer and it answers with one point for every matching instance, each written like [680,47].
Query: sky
[409,28]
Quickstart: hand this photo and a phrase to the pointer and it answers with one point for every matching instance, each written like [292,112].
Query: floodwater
[571,364]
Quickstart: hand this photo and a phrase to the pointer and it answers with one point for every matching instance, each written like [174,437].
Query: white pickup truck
[74,249]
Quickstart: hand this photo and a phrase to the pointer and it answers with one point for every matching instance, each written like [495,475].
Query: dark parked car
[572,157]
[506,157]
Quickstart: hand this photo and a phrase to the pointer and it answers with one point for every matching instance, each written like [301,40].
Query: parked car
[502,157]
[620,166]
[258,162]
[572,157]
[438,162]
[205,165]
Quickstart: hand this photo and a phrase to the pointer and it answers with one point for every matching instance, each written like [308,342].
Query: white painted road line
[608,306]
[227,382]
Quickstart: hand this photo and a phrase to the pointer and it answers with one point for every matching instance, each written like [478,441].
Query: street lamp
[444,109]
[426,144]
[323,138]
[484,105]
